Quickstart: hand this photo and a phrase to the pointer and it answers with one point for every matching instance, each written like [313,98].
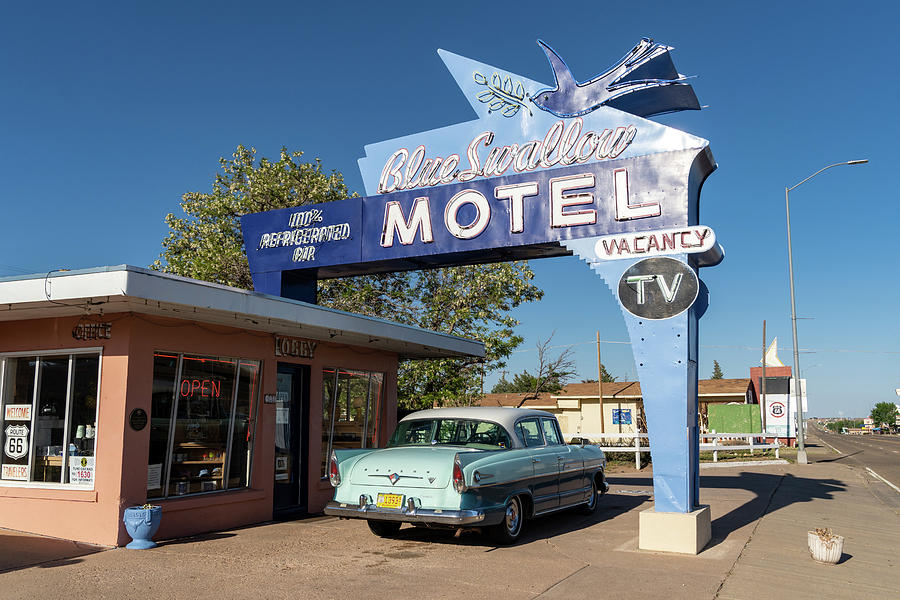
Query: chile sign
[544,170]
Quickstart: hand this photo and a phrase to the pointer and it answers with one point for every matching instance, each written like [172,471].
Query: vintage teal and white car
[469,467]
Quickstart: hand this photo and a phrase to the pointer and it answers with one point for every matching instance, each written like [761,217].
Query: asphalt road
[878,455]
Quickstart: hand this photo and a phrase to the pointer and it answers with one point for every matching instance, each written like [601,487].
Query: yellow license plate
[389,501]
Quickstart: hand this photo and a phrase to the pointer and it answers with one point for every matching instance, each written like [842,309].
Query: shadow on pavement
[21,551]
[763,485]
[837,457]
[610,506]
[203,537]
[790,490]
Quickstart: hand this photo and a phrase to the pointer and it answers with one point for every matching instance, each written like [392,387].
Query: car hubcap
[512,516]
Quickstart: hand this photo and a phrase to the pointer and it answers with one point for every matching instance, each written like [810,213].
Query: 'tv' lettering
[668,293]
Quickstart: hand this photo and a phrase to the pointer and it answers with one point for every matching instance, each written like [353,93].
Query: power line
[18,270]
[727,347]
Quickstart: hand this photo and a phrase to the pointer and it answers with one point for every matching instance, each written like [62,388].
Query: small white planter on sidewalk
[825,547]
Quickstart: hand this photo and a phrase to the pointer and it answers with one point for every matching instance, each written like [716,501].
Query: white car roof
[505,416]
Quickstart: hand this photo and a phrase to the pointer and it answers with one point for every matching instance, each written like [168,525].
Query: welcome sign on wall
[544,170]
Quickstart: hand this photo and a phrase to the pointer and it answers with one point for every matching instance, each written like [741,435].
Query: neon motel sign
[573,168]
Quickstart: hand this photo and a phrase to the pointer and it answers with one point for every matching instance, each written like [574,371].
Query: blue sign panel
[297,238]
[621,416]
[524,215]
[541,164]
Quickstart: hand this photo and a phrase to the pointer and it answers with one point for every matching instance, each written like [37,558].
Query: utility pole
[600,385]
[801,446]
[762,409]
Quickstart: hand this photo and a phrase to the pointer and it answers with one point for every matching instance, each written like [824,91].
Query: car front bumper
[457,518]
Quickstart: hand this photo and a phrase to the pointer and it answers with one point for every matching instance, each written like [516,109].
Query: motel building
[121,386]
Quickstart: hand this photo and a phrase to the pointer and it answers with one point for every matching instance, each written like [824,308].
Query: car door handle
[535,460]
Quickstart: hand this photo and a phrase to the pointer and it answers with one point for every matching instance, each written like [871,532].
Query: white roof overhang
[125,288]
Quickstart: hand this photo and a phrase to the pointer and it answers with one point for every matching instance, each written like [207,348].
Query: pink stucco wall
[121,453]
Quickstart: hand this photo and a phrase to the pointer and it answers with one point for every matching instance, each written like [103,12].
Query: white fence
[605,438]
[750,438]
[705,446]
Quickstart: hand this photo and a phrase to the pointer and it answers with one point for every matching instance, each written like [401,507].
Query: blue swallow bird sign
[544,170]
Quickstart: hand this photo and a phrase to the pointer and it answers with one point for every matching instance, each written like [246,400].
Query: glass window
[329,377]
[351,410]
[49,418]
[456,432]
[551,434]
[241,438]
[202,417]
[413,433]
[82,418]
[529,432]
[162,400]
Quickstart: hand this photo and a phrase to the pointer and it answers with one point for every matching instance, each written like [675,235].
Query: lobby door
[291,445]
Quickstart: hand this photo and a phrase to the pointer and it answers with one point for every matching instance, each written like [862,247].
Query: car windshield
[470,433]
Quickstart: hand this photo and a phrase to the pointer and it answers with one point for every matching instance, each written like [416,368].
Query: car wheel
[384,528]
[590,506]
[508,530]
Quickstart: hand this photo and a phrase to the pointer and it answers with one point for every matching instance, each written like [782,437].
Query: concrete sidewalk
[760,518]
[775,560]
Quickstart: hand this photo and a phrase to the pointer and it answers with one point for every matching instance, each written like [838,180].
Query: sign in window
[49,418]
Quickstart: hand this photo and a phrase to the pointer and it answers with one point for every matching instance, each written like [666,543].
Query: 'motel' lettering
[567,209]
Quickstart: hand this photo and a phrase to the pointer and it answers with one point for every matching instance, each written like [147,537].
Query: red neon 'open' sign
[200,387]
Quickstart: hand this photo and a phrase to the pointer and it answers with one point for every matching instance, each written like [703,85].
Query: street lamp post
[798,397]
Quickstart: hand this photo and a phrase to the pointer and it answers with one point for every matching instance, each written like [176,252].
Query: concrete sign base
[685,533]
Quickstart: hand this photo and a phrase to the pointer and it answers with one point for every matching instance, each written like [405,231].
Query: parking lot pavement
[561,556]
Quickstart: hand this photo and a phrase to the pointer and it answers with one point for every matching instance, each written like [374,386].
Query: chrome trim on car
[395,477]
[587,473]
[416,515]
[503,482]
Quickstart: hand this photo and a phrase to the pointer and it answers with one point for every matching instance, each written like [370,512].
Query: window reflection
[214,400]
[351,410]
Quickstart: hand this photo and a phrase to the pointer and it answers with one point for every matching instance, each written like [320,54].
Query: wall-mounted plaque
[138,419]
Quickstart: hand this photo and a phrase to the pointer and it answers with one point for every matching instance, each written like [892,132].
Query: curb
[744,463]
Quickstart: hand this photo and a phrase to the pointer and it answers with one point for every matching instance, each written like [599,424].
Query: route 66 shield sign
[16,443]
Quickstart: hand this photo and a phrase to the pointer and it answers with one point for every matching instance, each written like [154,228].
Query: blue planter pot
[141,524]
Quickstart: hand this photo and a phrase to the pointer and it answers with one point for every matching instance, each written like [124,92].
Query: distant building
[579,411]
[779,408]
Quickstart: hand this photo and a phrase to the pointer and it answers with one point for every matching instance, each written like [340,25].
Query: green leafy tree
[525,382]
[884,413]
[470,301]
[207,244]
[837,426]
[604,375]
[717,371]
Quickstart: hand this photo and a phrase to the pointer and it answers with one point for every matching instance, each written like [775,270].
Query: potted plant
[825,546]
[141,523]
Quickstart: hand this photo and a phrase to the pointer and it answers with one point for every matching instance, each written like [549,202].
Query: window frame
[334,407]
[540,430]
[173,418]
[436,423]
[70,353]
[554,424]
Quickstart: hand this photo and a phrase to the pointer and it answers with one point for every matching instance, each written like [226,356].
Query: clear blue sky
[110,113]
